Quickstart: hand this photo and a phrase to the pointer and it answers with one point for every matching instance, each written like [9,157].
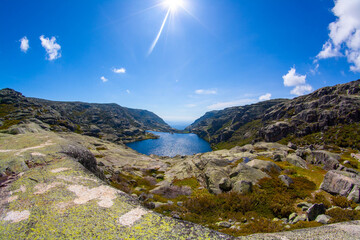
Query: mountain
[317,115]
[107,121]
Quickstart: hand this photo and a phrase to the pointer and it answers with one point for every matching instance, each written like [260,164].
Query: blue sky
[210,55]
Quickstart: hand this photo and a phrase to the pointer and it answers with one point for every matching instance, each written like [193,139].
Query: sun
[173,5]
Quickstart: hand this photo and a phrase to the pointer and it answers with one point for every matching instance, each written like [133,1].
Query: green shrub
[340,201]
[341,215]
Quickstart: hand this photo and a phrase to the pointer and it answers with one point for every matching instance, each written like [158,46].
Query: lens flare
[171,6]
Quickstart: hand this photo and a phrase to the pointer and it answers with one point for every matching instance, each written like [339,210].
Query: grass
[342,135]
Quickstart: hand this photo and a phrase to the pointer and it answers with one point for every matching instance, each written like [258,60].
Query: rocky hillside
[66,185]
[328,110]
[107,121]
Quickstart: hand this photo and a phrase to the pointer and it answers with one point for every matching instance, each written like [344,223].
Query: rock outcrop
[343,183]
[274,120]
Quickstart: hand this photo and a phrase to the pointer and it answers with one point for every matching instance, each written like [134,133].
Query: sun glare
[173,5]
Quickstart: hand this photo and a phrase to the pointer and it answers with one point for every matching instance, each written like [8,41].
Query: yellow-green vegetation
[341,135]
[8,123]
[271,198]
[353,163]
[6,109]
[191,182]
[342,202]
[341,215]
[324,198]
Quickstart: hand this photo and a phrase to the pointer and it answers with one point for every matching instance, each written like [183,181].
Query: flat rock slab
[338,231]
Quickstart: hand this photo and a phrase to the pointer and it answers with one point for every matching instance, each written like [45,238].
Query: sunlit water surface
[171,145]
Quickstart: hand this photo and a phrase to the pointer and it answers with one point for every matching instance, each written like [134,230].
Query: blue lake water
[171,145]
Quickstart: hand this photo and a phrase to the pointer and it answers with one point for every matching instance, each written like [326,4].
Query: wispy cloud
[265,97]
[104,79]
[24,44]
[119,70]
[51,47]
[191,105]
[128,91]
[344,36]
[222,105]
[205,91]
[298,81]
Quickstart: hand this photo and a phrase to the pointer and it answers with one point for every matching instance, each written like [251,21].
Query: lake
[171,145]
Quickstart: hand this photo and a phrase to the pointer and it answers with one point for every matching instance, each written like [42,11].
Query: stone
[324,219]
[302,217]
[179,203]
[243,187]
[160,176]
[175,215]
[247,173]
[357,208]
[354,195]
[292,216]
[296,161]
[315,210]
[341,182]
[304,204]
[225,184]
[159,204]
[224,224]
[292,145]
[277,158]
[346,162]
[329,161]
[286,180]
[285,220]
[266,166]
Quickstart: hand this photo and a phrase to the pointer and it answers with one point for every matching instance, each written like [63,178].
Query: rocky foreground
[67,185]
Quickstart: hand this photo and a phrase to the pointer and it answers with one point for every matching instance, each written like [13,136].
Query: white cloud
[104,79]
[301,89]
[205,91]
[222,105]
[329,51]
[344,36]
[119,70]
[128,91]
[298,81]
[265,97]
[24,45]
[51,47]
[292,79]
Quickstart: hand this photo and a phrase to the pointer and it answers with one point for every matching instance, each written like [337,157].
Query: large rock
[296,160]
[243,187]
[247,173]
[266,166]
[315,210]
[324,219]
[354,194]
[329,161]
[340,182]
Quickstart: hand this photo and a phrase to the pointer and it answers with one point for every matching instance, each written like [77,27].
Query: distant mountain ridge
[280,119]
[108,121]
